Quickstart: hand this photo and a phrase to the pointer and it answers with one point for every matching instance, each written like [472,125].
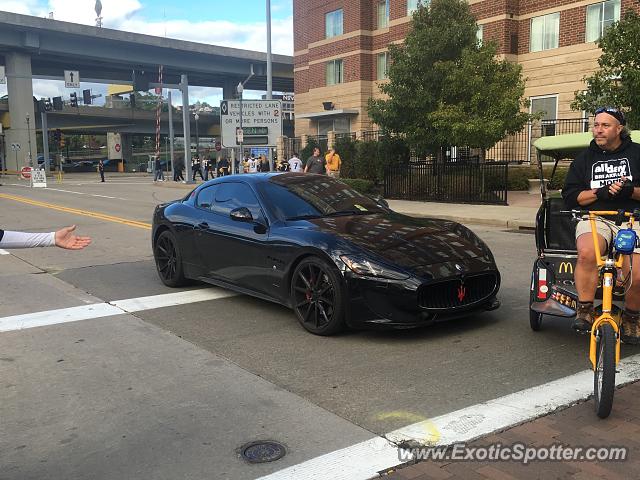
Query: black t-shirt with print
[595,168]
[316,164]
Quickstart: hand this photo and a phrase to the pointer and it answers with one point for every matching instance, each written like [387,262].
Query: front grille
[448,294]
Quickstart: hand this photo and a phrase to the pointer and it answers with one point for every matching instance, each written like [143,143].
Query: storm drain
[263,452]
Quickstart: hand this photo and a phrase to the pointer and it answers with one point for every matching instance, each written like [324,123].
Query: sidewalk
[577,426]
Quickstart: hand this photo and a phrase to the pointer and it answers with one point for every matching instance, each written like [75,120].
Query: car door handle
[203,225]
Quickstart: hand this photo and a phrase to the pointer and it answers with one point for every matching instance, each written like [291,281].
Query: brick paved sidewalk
[577,426]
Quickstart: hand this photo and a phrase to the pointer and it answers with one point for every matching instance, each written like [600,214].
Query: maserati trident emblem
[462,292]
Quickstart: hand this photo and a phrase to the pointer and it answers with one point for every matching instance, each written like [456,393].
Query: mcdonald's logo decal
[566,267]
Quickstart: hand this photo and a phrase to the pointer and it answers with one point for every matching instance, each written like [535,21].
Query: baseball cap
[614,112]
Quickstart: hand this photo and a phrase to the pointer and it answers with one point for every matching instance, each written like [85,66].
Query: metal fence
[291,146]
[455,180]
[321,140]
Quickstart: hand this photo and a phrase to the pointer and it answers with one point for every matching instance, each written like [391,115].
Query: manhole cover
[263,452]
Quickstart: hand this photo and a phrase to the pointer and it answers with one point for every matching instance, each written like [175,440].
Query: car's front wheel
[169,260]
[317,297]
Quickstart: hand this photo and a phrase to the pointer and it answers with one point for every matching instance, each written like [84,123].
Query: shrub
[360,184]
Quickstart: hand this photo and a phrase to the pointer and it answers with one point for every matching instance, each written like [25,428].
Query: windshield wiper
[341,213]
[303,217]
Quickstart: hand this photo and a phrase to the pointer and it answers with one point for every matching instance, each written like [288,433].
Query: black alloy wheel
[317,297]
[169,260]
[604,375]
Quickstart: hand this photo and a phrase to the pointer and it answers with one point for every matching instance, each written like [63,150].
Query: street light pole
[29,136]
[240,89]
[196,116]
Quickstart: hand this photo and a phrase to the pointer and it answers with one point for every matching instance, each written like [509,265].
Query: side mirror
[241,214]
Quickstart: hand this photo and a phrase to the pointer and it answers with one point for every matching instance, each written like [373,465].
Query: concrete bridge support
[20,90]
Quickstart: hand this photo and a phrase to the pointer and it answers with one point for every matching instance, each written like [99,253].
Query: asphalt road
[173,392]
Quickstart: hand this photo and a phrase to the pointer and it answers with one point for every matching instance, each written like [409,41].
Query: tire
[535,320]
[604,375]
[169,260]
[317,297]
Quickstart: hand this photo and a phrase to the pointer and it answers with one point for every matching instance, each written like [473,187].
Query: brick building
[340,52]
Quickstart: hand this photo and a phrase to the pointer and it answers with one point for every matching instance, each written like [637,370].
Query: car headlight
[368,268]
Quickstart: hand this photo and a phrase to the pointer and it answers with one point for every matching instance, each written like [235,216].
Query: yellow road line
[86,213]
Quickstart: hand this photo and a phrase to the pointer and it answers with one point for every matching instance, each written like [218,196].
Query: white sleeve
[27,240]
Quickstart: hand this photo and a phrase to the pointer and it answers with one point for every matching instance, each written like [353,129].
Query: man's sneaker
[584,317]
[631,327]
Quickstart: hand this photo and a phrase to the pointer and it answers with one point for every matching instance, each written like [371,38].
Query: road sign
[25,173]
[72,78]
[218,146]
[15,147]
[3,78]
[261,122]
[38,178]
[114,146]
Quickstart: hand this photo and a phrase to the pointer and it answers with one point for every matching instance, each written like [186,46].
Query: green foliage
[445,88]
[346,148]
[617,81]
[519,177]
[360,184]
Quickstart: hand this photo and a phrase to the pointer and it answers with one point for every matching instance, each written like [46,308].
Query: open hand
[66,239]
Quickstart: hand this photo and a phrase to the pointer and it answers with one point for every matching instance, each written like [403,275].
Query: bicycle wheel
[604,375]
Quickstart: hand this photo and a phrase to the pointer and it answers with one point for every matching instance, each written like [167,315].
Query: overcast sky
[232,24]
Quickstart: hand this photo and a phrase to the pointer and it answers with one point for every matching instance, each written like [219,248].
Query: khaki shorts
[334,173]
[605,230]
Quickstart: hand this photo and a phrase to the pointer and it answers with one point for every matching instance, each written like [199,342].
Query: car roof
[254,178]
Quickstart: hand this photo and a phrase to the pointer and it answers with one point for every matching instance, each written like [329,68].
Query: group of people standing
[328,164]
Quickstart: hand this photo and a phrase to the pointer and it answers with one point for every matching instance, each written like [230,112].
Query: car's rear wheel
[317,297]
[535,320]
[169,260]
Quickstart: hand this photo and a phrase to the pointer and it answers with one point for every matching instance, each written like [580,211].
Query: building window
[547,105]
[480,33]
[339,125]
[600,17]
[382,73]
[545,32]
[383,13]
[333,23]
[334,72]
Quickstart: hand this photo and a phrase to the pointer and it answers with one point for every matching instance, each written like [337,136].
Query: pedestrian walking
[101,170]
[295,164]
[333,163]
[316,163]
[158,174]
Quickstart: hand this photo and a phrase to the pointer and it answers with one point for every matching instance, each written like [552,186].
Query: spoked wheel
[169,260]
[535,320]
[604,375]
[317,297]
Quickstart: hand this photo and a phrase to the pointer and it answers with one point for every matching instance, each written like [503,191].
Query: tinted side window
[206,196]
[230,196]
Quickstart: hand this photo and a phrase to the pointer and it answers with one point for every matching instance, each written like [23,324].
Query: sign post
[261,122]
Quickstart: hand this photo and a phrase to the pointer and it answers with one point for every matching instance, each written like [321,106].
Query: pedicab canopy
[565,146]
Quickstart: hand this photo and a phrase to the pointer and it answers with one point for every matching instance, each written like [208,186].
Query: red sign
[26,173]
[218,146]
[117,147]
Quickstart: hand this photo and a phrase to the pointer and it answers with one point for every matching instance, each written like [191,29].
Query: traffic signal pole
[45,141]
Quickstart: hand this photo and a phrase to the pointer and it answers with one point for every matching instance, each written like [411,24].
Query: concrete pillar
[20,90]
[359,134]
[304,139]
[331,139]
[127,152]
[280,148]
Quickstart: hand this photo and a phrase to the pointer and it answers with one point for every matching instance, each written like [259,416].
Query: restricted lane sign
[72,79]
[261,122]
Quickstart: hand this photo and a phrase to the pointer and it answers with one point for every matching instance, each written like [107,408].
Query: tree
[617,81]
[445,88]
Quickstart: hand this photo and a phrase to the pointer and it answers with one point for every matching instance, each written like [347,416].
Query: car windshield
[296,197]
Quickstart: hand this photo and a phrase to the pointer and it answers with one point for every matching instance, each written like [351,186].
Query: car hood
[408,242]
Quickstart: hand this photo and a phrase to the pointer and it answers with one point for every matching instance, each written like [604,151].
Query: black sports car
[333,255]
